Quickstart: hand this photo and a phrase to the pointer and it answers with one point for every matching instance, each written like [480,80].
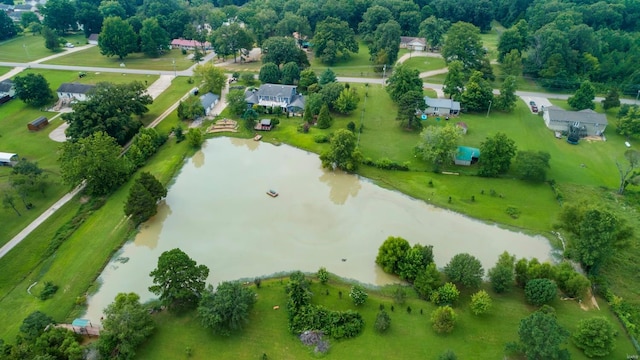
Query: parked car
[534,108]
[69,45]
[532,103]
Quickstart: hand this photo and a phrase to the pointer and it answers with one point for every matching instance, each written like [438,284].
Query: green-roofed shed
[467,155]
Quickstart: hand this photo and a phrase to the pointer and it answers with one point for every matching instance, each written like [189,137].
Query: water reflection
[342,185]
[251,145]
[151,229]
[198,159]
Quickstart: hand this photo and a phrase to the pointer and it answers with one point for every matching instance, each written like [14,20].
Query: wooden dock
[88,330]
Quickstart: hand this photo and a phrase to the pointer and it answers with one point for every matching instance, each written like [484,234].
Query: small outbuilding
[8,159]
[93,39]
[209,101]
[38,123]
[264,125]
[467,155]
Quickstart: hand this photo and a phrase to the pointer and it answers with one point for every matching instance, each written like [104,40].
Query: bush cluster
[387,164]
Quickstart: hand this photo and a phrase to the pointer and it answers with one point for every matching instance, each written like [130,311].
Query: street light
[175,74]
[384,72]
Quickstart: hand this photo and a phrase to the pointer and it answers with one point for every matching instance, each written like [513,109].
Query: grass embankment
[37,146]
[410,335]
[92,57]
[81,257]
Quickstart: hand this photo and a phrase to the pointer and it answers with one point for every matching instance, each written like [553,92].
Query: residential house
[441,106]
[6,7]
[587,122]
[276,95]
[7,88]
[24,8]
[73,91]
[190,44]
[209,101]
[413,43]
[93,39]
[466,156]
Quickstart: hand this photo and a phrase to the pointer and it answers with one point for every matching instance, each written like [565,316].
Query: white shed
[8,159]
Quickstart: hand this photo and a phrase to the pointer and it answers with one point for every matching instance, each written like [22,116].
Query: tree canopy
[212,77]
[117,38]
[541,337]
[334,40]
[402,80]
[59,15]
[463,43]
[154,40]
[343,152]
[226,309]
[7,27]
[532,165]
[465,269]
[282,50]
[143,198]
[583,98]
[231,39]
[391,253]
[439,144]
[33,89]
[497,152]
[596,336]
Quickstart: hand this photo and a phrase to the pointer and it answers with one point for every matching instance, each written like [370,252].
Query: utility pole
[488,110]
[384,72]
[175,74]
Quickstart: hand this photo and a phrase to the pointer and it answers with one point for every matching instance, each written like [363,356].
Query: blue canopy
[81,322]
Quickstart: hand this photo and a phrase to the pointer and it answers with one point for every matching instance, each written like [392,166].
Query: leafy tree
[290,73]
[583,98]
[323,275]
[27,177]
[497,152]
[513,39]
[532,165]
[343,152]
[383,322]
[227,309]
[465,269]
[89,17]
[572,283]
[358,295]
[96,159]
[371,19]
[307,78]
[236,102]
[112,8]
[154,40]
[385,39]
[282,50]
[33,325]
[178,280]
[446,294]
[58,343]
[453,85]
[324,119]
[427,281]
[347,101]
[512,64]
[438,144]
[433,30]
[414,261]
[269,74]
[33,89]
[212,77]
[191,108]
[478,93]
[51,40]
[117,38]
[612,99]
[628,122]
[629,174]
[195,138]
[334,40]
[9,201]
[250,116]
[540,291]
[448,355]
[502,275]
[327,77]
[402,80]
[59,15]
[291,23]
[595,336]
[126,325]
[231,39]
[409,105]
[443,319]
[507,99]
[463,43]
[480,302]
[7,27]
[109,109]
[143,198]
[391,254]
[541,337]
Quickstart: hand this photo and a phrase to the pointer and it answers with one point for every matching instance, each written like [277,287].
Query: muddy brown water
[218,212]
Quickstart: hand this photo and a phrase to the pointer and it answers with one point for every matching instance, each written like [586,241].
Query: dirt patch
[84,199]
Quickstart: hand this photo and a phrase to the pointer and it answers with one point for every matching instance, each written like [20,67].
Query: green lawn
[409,337]
[357,65]
[179,87]
[24,49]
[4,70]
[92,57]
[425,63]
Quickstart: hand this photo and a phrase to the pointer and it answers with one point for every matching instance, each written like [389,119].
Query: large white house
[73,91]
[276,95]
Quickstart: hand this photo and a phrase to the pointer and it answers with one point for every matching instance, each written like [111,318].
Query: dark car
[534,108]
[532,103]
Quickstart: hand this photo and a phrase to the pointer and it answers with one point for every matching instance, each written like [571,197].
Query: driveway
[541,102]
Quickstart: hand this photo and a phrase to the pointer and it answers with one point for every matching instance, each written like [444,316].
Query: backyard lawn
[26,48]
[358,65]
[409,337]
[423,63]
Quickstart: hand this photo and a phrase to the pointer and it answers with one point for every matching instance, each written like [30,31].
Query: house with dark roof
[93,39]
[7,88]
[413,43]
[276,95]
[74,91]
[24,8]
[441,106]
[466,155]
[587,122]
[190,44]
[209,101]
[6,7]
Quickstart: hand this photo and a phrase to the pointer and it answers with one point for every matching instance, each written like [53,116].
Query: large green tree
[371,19]
[453,85]
[178,280]
[465,269]
[343,152]
[109,108]
[415,261]
[117,38]
[427,281]
[347,101]
[433,30]
[478,93]
[410,105]
[51,39]
[291,23]
[502,275]
[496,154]
[402,80]
[126,325]
[190,108]
[385,45]
[439,144]
[226,309]
[443,319]
[507,99]
[596,336]
[541,337]
[154,40]
[26,178]
[33,89]
[290,73]
[515,38]
[583,98]
[59,15]
[269,74]
[143,197]
[236,102]
[96,159]
[629,174]
[212,77]
[628,121]
[282,50]
[89,17]
[33,325]
[7,27]
[231,39]
[334,40]
[539,292]
[463,43]
[391,254]
[532,165]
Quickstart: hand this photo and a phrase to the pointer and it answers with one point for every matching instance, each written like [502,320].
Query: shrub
[358,295]
[49,290]
[321,138]
[480,302]
[513,211]
[595,336]
[540,291]
[465,269]
[443,319]
[448,355]
[447,294]
[323,275]
[399,295]
[351,126]
[383,322]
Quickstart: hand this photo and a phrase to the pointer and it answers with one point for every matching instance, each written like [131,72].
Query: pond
[218,212]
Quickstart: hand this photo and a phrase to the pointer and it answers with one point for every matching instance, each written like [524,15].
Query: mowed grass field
[409,337]
[423,63]
[26,48]
[92,57]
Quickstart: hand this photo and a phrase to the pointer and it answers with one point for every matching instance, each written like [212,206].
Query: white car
[626,143]
[69,45]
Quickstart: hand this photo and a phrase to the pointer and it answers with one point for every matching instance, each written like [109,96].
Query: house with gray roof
[7,88]
[413,43]
[74,91]
[441,106]
[209,101]
[276,95]
[588,122]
